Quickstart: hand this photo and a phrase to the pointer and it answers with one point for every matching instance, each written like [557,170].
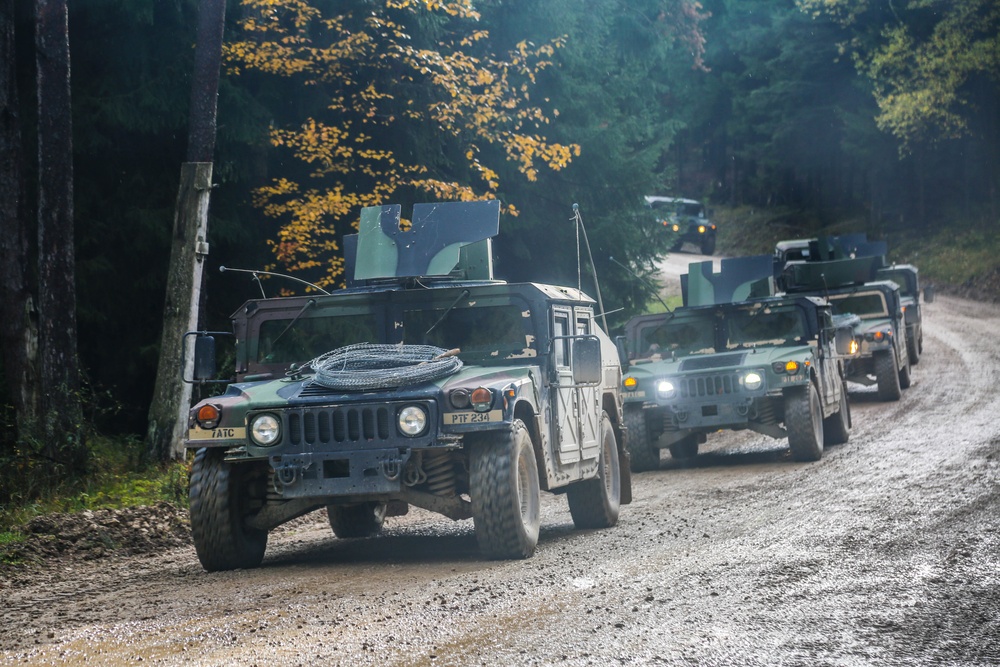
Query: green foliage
[118,478]
[957,255]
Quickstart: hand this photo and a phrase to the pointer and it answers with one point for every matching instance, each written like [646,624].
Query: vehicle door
[831,383]
[576,425]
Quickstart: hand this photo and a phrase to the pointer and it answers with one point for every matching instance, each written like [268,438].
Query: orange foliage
[381,85]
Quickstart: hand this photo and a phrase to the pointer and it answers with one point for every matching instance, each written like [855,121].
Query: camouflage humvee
[735,357]
[852,246]
[908,278]
[874,309]
[323,413]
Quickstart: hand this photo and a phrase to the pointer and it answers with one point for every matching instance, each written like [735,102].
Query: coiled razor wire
[372,366]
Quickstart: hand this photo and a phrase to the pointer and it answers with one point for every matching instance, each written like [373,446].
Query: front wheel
[708,245]
[504,489]
[686,449]
[804,423]
[219,498]
[362,520]
[594,503]
[642,453]
[887,376]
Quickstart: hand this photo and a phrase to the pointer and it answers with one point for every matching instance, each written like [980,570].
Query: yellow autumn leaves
[403,115]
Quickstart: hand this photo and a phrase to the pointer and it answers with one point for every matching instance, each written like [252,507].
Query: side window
[582,325]
[559,347]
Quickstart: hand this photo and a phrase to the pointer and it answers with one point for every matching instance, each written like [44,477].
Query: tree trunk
[18,335]
[172,396]
[61,413]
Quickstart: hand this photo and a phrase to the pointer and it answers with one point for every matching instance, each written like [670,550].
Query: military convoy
[735,356]
[424,382]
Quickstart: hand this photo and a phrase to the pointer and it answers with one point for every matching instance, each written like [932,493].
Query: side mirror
[586,360]
[622,347]
[844,342]
[204,358]
[929,293]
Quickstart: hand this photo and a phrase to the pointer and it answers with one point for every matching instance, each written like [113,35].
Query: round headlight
[412,420]
[630,383]
[665,389]
[265,430]
[752,381]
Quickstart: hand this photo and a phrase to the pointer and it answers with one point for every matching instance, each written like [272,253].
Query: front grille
[721,384]
[337,425]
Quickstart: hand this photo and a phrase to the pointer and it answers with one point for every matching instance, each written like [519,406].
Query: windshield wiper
[454,303]
[309,304]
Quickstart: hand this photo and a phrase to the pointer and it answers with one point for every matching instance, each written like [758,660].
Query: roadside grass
[117,478]
[954,256]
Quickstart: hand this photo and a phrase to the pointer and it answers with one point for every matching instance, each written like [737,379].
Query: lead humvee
[425,382]
[735,356]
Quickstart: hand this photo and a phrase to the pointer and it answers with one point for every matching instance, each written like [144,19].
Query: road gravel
[885,552]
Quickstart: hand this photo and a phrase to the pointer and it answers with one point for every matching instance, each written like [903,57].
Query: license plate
[453,418]
[218,433]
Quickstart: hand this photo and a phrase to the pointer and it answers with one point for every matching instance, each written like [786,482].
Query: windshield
[866,305]
[288,340]
[765,325]
[484,334]
[905,281]
[677,337]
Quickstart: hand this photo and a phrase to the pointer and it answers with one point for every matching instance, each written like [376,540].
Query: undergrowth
[117,478]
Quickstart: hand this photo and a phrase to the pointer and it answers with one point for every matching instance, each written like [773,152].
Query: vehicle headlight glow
[265,430]
[752,380]
[665,389]
[412,420]
[630,383]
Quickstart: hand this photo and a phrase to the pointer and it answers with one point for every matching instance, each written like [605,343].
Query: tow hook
[287,472]
[392,467]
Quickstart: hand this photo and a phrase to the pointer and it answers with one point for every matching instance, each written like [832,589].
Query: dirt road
[885,552]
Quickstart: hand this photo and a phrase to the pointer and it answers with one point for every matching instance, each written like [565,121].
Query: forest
[824,114]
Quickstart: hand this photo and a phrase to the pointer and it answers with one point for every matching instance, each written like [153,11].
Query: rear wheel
[594,503]
[904,376]
[362,520]
[836,427]
[887,376]
[913,348]
[504,490]
[804,423]
[644,456]
[219,501]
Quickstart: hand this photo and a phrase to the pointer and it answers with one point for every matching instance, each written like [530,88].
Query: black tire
[904,375]
[913,349]
[887,376]
[641,451]
[362,520]
[686,449]
[837,427]
[708,245]
[218,509]
[804,423]
[595,503]
[504,489]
